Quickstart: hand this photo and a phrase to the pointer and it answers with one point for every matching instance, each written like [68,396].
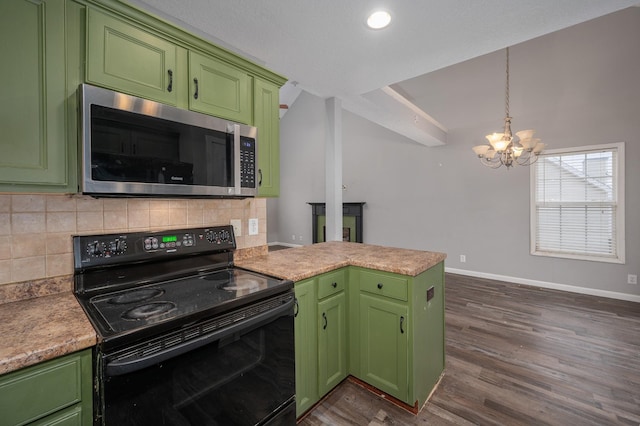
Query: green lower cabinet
[332,342]
[400,324]
[306,345]
[55,392]
[427,336]
[384,331]
[383,328]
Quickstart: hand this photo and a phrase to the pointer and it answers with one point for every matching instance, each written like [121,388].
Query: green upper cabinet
[33,140]
[219,89]
[266,114]
[127,58]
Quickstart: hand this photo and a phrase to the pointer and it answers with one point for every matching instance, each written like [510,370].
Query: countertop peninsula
[299,263]
[36,329]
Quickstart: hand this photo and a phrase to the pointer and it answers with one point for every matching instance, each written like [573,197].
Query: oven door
[241,374]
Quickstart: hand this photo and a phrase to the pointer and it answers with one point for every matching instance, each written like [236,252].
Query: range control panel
[110,249]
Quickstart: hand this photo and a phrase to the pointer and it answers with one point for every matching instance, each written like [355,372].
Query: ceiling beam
[391,110]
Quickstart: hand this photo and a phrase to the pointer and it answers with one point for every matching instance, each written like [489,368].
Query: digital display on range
[169,239]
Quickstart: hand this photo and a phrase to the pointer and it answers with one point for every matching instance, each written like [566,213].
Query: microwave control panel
[248,165]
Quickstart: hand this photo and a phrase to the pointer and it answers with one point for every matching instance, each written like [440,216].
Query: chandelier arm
[528,160]
[493,163]
[531,158]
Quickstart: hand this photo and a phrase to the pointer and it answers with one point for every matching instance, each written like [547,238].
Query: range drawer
[331,283]
[385,285]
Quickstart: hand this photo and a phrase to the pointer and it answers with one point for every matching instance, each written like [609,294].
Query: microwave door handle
[236,157]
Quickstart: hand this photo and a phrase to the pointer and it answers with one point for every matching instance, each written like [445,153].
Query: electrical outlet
[253,226]
[293,237]
[463,258]
[632,279]
[237,227]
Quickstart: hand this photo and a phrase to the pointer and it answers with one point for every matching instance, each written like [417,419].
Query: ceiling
[325,48]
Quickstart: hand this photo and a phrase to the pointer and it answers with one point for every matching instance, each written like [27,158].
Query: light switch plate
[253,226]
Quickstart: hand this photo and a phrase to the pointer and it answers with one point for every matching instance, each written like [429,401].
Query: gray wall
[576,87]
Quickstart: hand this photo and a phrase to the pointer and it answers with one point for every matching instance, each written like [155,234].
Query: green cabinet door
[55,392]
[384,342]
[306,345]
[33,141]
[219,89]
[332,342]
[126,58]
[266,117]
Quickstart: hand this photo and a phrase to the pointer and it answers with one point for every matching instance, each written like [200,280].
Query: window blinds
[576,203]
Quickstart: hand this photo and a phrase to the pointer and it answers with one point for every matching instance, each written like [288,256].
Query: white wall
[576,87]
[302,138]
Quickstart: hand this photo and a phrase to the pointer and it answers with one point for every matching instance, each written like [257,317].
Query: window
[577,203]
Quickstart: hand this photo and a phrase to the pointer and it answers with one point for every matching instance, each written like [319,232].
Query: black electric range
[185,337]
[134,285]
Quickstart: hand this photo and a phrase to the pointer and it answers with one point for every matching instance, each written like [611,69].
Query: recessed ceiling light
[379,19]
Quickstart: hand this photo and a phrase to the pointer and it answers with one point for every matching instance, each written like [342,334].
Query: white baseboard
[545,284]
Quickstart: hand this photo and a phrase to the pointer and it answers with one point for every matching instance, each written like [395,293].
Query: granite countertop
[37,326]
[303,262]
[42,328]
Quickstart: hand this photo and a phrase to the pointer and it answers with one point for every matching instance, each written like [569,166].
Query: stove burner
[148,310]
[242,284]
[218,277]
[136,296]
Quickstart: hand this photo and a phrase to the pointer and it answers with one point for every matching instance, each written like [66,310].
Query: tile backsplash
[36,229]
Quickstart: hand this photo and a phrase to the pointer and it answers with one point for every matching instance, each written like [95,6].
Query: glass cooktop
[146,305]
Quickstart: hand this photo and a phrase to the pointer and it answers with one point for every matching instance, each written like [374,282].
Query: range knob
[212,237]
[95,249]
[118,246]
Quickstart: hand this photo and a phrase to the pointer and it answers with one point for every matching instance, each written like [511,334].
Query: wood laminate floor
[518,355]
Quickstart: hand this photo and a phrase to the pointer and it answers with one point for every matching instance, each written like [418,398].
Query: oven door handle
[133,362]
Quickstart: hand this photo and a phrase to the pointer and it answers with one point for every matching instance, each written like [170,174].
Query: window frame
[619,182]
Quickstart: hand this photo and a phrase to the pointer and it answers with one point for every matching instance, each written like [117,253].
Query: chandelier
[503,148]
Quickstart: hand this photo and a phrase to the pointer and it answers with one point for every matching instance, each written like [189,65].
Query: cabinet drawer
[69,417]
[331,283]
[34,392]
[384,285]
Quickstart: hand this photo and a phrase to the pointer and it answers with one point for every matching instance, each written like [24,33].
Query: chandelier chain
[506,98]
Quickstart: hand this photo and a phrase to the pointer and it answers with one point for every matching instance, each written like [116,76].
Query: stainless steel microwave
[137,147]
